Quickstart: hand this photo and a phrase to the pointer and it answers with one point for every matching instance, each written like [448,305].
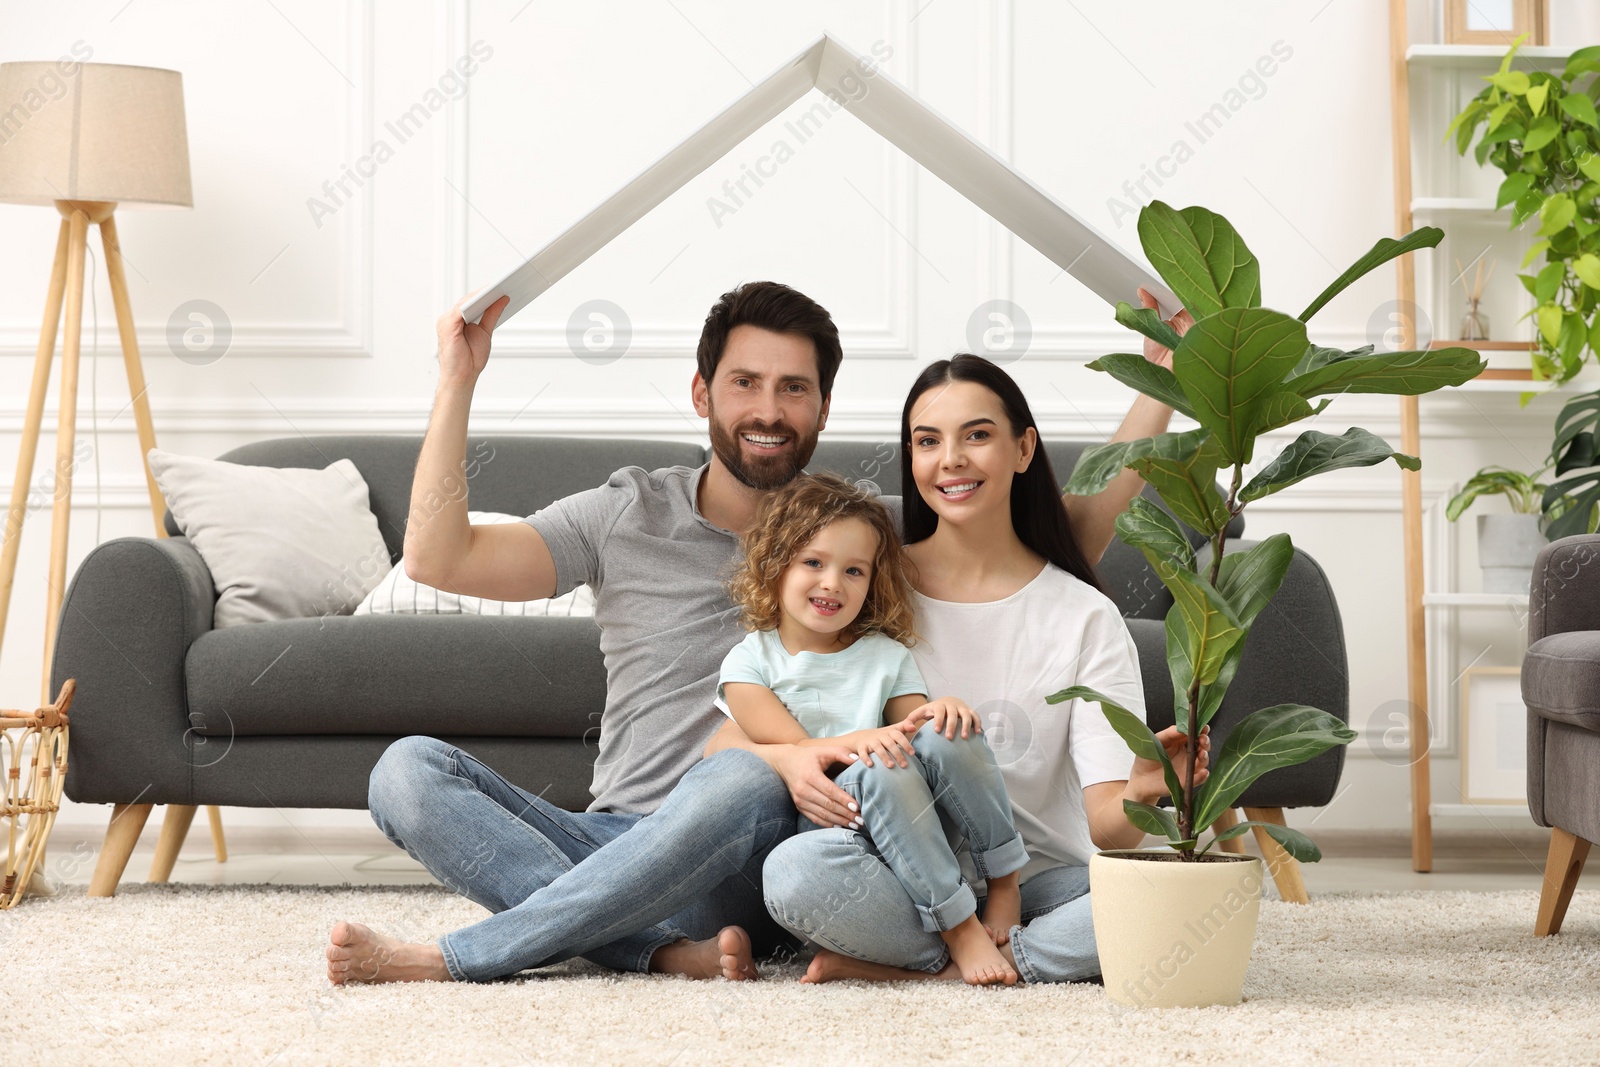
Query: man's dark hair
[776,307]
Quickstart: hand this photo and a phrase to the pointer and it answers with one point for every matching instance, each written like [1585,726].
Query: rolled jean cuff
[1019,952]
[450,962]
[960,906]
[1001,860]
[669,937]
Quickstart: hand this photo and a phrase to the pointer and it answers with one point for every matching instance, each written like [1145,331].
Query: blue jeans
[607,886]
[906,809]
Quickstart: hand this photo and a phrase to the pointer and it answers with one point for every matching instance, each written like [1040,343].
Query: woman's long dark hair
[1036,511]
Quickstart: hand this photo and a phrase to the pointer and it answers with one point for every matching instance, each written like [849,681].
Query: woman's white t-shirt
[1003,658]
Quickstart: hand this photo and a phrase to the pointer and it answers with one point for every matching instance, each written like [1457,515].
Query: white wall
[332,307]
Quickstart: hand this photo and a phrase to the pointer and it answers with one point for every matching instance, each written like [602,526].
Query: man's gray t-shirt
[659,572]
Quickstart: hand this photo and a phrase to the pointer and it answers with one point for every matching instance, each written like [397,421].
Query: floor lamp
[85,138]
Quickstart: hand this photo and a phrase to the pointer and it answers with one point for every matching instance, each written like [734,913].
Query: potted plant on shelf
[1542,131]
[1508,545]
[1175,927]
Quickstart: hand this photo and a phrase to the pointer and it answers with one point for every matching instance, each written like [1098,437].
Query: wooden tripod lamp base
[66,287]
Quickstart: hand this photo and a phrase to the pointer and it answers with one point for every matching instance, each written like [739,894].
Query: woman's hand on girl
[947,715]
[891,744]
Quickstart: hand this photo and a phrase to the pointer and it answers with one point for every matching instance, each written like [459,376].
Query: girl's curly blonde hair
[789,519]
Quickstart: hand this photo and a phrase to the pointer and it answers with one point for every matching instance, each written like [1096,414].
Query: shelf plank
[1453,205]
[1499,810]
[1486,346]
[1475,600]
[1483,56]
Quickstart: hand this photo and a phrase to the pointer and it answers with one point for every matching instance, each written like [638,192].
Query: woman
[1010,612]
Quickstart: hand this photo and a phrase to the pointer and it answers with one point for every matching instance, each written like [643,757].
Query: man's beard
[761,472]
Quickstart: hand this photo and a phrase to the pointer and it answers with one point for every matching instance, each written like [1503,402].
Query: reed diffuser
[1474,322]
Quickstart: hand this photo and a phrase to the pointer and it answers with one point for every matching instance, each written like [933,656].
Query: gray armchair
[1561,687]
[296,713]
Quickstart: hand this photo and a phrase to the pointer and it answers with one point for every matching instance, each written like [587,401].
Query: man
[663,872]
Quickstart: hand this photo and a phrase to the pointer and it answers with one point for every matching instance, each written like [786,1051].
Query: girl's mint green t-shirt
[829,694]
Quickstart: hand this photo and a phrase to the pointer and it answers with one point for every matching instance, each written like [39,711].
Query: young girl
[822,590]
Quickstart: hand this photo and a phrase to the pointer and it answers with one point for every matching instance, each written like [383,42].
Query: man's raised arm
[442,549]
[1093,518]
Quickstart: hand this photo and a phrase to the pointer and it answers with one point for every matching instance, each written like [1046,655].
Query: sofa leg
[127,820]
[174,828]
[1227,821]
[1561,870]
[219,844]
[1284,867]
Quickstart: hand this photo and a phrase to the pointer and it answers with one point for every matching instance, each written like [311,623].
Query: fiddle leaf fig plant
[1241,371]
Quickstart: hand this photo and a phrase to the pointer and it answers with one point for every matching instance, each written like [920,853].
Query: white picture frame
[1494,737]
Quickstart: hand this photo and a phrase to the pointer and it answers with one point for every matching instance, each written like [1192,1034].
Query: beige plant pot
[1173,934]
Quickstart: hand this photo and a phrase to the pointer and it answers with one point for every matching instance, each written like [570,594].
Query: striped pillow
[398,594]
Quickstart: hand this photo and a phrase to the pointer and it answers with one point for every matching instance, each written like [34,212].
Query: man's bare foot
[1002,909]
[976,955]
[728,955]
[358,954]
[830,966]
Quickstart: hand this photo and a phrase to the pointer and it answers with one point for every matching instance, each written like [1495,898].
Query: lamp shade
[93,131]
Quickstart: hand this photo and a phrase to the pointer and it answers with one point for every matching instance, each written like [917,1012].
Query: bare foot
[358,954]
[728,955]
[830,966]
[977,956]
[1002,909]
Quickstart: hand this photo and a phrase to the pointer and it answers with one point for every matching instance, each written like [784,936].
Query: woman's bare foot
[1002,909]
[830,966]
[728,955]
[358,954]
[976,955]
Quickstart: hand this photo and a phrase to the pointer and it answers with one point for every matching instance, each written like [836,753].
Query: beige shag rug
[178,974]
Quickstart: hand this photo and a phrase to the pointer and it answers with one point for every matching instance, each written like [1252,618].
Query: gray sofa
[296,713]
[1561,688]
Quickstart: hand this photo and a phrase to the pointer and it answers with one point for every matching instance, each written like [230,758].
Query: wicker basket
[38,741]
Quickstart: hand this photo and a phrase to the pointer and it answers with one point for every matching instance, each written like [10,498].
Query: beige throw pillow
[281,542]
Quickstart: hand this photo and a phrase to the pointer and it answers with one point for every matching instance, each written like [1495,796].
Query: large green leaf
[1575,515]
[1151,530]
[1317,357]
[1141,740]
[1152,820]
[1580,415]
[1148,378]
[1580,108]
[1315,453]
[1295,843]
[1279,736]
[1149,322]
[1101,463]
[1396,373]
[1230,365]
[1200,256]
[1380,253]
[1248,580]
[1204,630]
[1184,472]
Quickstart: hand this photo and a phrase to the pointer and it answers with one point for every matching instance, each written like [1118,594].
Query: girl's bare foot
[358,954]
[1002,909]
[728,955]
[830,966]
[976,954]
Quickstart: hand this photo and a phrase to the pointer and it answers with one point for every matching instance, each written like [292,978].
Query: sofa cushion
[280,544]
[1561,678]
[400,594]
[462,675]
